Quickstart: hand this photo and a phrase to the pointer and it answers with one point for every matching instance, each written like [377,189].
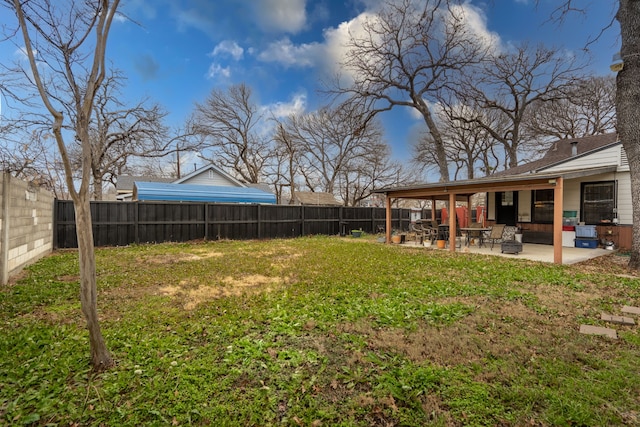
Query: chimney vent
[574,148]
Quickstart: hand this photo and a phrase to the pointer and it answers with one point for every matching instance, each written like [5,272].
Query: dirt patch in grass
[495,329]
[192,294]
[164,259]
[614,264]
[69,278]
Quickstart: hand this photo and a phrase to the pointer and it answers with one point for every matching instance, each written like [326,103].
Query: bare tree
[284,166]
[509,84]
[66,47]
[230,121]
[469,147]
[120,133]
[407,55]
[372,171]
[330,141]
[589,109]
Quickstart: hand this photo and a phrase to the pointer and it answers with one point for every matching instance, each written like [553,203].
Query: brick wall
[26,225]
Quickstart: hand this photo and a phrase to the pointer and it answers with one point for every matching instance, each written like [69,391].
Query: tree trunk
[100,357]
[627,102]
[97,187]
[441,154]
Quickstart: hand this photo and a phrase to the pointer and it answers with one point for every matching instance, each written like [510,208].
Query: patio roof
[468,187]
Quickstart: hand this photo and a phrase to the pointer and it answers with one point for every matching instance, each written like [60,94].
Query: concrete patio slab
[530,251]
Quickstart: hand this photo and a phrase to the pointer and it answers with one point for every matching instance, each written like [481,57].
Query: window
[507,198]
[598,201]
[543,206]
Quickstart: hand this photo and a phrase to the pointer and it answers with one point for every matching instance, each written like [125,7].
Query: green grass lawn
[320,331]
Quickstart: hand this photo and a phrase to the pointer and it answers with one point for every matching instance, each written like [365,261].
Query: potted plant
[518,234]
[356,233]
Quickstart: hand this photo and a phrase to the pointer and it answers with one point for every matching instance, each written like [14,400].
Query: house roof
[157,191]
[316,198]
[207,168]
[468,187]
[125,182]
[561,151]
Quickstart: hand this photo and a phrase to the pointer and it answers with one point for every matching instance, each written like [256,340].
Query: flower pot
[356,233]
[441,244]
[396,238]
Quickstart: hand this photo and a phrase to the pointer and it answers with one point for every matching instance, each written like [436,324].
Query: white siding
[491,206]
[625,210]
[608,157]
[571,199]
[210,177]
[524,206]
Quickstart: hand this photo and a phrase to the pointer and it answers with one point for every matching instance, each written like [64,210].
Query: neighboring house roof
[263,187]
[315,198]
[155,191]
[125,182]
[562,151]
[219,177]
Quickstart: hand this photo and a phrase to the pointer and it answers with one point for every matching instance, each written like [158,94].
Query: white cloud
[297,105]
[286,53]
[328,54]
[216,70]
[475,21]
[198,17]
[336,40]
[228,47]
[280,15]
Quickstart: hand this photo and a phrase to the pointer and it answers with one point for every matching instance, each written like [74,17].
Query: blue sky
[176,51]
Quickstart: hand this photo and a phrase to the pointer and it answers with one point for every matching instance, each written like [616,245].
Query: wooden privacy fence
[124,223]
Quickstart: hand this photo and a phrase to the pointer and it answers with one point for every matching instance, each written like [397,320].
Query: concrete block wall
[26,225]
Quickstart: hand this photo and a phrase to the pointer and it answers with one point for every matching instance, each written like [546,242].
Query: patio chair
[429,232]
[496,233]
[418,230]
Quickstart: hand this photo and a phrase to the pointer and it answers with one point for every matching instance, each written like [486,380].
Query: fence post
[302,221]
[6,195]
[259,222]
[136,217]
[373,220]
[54,214]
[206,221]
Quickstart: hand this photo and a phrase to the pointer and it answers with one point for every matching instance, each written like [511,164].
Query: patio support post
[557,220]
[433,208]
[452,222]
[388,220]
[469,216]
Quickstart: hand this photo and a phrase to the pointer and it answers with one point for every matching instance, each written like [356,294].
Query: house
[598,191]
[586,179]
[209,175]
[314,198]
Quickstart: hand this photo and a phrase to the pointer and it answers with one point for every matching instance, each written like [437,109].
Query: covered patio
[461,191]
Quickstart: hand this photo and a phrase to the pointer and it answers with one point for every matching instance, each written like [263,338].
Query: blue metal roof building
[158,191]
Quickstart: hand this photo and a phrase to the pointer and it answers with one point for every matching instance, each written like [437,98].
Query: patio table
[480,237]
